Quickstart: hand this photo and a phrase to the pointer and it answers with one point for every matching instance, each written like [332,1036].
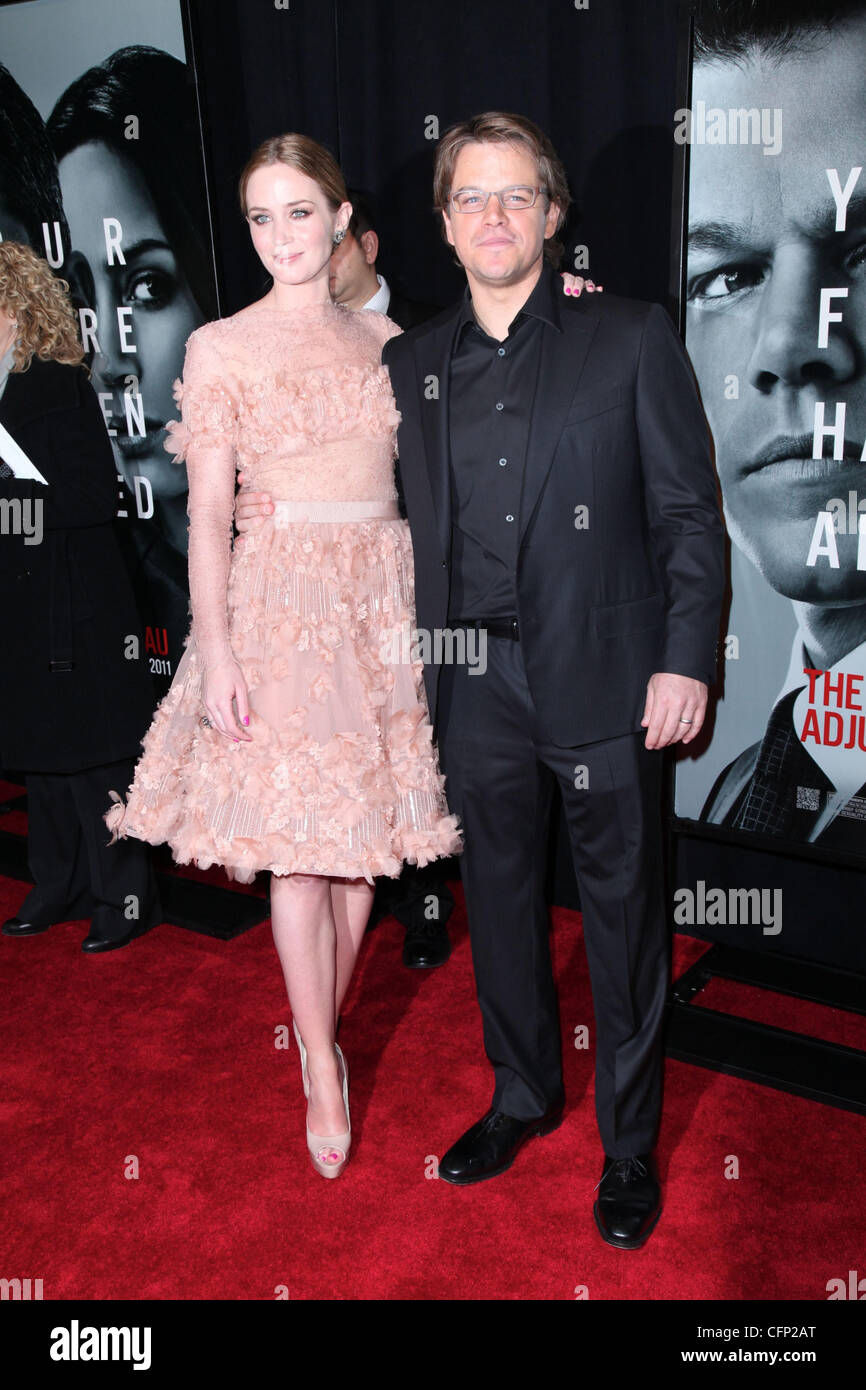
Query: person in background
[355,279]
[75,692]
[420,899]
[30,203]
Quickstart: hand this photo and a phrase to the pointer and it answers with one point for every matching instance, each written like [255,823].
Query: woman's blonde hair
[39,300]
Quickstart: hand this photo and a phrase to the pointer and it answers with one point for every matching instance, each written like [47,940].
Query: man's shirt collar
[382,298]
[543,303]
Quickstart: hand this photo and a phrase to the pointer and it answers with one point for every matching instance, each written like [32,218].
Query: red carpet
[163,1055]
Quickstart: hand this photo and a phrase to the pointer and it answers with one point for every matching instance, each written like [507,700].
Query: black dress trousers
[76,871]
[500,773]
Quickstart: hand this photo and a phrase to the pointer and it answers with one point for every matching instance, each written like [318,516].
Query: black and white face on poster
[776,330]
[109,185]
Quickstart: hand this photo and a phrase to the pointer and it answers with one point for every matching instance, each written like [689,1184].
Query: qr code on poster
[808,799]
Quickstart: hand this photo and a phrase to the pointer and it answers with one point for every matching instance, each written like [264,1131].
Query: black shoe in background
[14,926]
[424,915]
[109,930]
[427,944]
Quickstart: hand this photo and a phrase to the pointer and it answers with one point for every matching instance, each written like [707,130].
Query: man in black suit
[555,465]
[420,899]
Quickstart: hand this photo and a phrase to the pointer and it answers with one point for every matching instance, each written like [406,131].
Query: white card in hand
[13,455]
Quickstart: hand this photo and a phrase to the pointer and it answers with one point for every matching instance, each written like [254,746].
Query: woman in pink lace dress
[291,738]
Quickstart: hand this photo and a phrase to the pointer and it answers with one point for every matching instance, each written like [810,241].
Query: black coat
[70,696]
[607,597]
[408,313]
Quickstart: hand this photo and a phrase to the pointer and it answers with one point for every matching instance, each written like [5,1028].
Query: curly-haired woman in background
[75,695]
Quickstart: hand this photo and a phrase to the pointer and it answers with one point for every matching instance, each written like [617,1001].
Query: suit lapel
[560,365]
[433,361]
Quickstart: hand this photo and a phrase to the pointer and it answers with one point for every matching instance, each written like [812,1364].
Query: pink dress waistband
[287,511]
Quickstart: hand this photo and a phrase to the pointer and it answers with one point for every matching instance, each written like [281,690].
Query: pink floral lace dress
[316,606]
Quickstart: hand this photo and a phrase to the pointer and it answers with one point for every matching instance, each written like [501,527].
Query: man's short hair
[363,217]
[729,29]
[29,182]
[495,127]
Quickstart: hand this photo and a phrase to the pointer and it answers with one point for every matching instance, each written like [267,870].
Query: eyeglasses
[512,199]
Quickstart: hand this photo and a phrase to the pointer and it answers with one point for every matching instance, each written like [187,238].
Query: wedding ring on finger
[687,721]
[205,722]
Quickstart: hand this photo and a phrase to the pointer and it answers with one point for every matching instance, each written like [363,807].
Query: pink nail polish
[246,719]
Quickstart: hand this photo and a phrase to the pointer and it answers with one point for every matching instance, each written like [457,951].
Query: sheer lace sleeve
[387,328]
[206,437]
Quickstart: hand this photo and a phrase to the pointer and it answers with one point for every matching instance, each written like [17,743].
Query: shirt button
[501,352]
[509,517]
[499,405]
[502,462]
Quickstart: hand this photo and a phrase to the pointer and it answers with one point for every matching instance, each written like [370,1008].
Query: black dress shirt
[492,390]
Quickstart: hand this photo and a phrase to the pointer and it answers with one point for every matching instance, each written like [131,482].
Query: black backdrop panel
[365,78]
[263,71]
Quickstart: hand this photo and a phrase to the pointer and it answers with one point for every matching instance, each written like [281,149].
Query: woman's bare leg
[305,935]
[351,902]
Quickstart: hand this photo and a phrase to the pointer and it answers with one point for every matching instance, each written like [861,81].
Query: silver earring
[338,236]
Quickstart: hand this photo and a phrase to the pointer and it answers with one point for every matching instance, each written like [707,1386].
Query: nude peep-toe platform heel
[323,1147]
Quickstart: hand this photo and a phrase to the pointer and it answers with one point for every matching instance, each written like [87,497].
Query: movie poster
[775,320]
[102,172]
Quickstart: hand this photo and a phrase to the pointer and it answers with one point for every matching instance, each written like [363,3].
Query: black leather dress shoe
[491,1145]
[15,927]
[427,945]
[98,941]
[94,944]
[629,1201]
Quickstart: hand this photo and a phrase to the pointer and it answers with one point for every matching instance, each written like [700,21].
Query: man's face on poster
[762,246]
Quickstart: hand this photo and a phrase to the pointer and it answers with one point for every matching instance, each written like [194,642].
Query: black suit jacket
[70,697]
[408,313]
[617,428]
